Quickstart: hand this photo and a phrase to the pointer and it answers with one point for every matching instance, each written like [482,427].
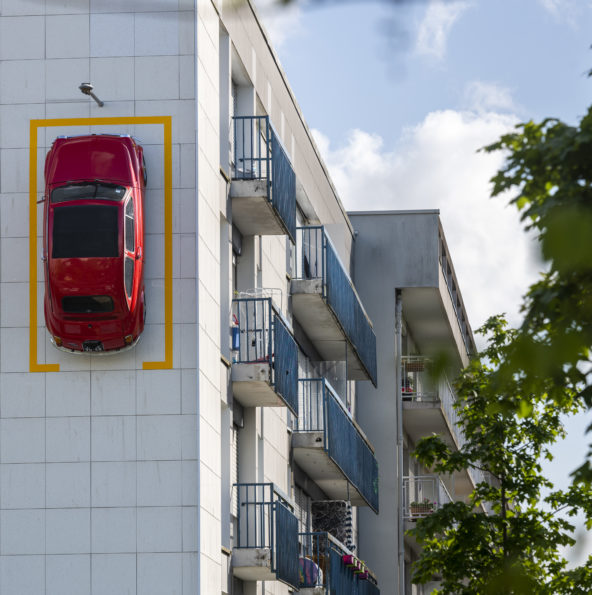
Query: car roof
[93,157]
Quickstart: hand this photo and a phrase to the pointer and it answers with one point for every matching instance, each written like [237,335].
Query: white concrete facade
[115,478]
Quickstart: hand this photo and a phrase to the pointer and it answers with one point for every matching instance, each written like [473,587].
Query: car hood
[87,276]
[92,158]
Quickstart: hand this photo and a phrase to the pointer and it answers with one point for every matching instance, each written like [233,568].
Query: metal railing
[321,410]
[266,520]
[260,336]
[316,258]
[454,296]
[422,495]
[419,385]
[259,155]
[325,562]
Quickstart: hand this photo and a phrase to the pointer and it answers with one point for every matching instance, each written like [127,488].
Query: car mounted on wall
[93,243]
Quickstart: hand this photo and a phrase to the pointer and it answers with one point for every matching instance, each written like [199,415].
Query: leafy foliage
[514,547]
[548,167]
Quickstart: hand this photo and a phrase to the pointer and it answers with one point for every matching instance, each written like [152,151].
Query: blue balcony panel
[265,356]
[263,185]
[266,547]
[327,567]
[327,306]
[331,449]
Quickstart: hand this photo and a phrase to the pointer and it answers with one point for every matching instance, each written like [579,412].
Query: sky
[401,95]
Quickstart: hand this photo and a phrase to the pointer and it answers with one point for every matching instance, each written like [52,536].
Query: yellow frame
[166,122]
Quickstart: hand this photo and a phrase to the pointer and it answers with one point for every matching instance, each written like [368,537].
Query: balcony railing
[266,522]
[456,303]
[316,258]
[422,495]
[421,386]
[260,336]
[321,410]
[327,564]
[259,155]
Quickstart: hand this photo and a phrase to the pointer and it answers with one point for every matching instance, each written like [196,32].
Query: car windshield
[85,231]
[88,190]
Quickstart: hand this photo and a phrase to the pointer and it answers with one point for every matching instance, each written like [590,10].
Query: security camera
[87,89]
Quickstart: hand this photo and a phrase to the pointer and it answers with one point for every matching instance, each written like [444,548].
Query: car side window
[130,241]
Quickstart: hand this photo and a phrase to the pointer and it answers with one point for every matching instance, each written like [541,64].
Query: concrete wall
[115,478]
[98,461]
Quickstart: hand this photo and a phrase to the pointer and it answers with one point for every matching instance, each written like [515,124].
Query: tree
[514,548]
[548,169]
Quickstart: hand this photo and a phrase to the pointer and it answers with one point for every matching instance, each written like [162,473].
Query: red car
[93,242]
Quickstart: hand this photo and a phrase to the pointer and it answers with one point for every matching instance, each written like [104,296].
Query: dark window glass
[77,304]
[87,190]
[129,275]
[129,226]
[85,231]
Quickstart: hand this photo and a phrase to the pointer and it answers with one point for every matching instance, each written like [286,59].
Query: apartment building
[405,276]
[225,452]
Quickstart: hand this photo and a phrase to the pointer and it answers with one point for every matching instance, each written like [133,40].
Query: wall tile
[112,35]
[67,575]
[67,531]
[27,81]
[22,440]
[159,573]
[67,35]
[160,529]
[14,29]
[67,485]
[113,530]
[113,392]
[114,484]
[22,395]
[159,437]
[113,77]
[113,438]
[14,298]
[68,394]
[22,485]
[62,79]
[158,392]
[114,573]
[23,532]
[67,439]
[159,483]
[167,85]
[22,575]
[156,34]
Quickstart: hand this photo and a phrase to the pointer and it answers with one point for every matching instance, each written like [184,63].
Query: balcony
[327,306]
[263,187]
[265,356]
[428,408]
[428,402]
[422,495]
[331,448]
[327,566]
[267,536]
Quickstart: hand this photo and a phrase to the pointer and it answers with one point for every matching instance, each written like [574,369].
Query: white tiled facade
[113,478]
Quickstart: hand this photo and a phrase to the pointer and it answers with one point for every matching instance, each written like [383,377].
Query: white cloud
[482,97]
[563,10]
[436,165]
[436,25]
[280,21]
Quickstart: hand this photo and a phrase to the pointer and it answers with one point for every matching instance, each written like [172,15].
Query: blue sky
[401,95]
